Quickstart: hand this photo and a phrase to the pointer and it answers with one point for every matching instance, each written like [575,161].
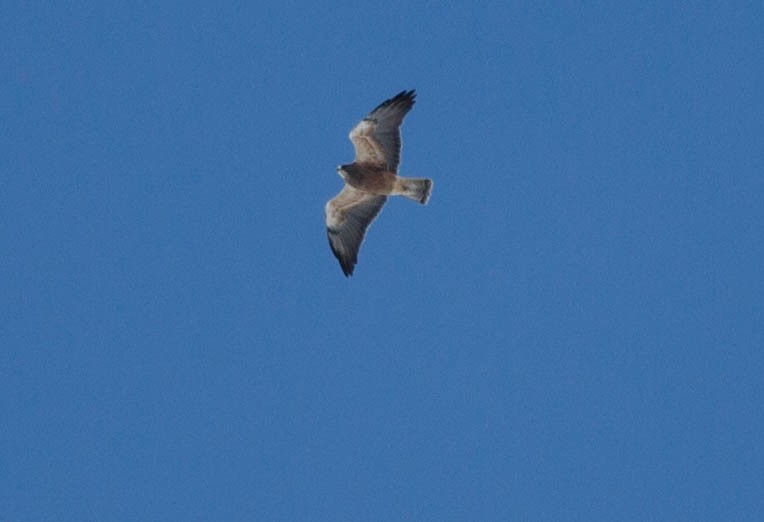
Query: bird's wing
[377,137]
[348,216]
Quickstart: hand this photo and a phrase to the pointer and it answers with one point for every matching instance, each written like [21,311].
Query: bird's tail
[418,189]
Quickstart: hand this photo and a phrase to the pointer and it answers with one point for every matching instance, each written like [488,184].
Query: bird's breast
[374,181]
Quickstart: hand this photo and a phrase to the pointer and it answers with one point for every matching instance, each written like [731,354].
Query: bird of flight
[371,177]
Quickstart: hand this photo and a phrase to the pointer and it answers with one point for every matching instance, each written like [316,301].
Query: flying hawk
[371,178]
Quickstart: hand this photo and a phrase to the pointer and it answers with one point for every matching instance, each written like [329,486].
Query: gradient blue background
[572,329]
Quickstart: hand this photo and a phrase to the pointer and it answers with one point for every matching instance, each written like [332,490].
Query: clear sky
[571,329]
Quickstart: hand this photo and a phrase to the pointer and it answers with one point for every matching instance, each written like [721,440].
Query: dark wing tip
[407,94]
[347,263]
[404,98]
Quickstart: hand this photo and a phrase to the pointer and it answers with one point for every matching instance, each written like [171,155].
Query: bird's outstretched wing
[348,216]
[377,137]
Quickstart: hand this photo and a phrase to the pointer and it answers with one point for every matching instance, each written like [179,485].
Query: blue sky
[571,329]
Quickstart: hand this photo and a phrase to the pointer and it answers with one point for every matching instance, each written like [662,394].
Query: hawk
[371,178]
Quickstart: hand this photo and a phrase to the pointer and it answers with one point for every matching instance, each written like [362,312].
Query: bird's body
[374,178]
[370,179]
